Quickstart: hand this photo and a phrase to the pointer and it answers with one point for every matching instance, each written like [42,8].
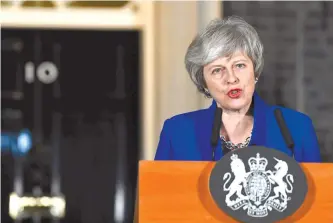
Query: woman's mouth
[235,93]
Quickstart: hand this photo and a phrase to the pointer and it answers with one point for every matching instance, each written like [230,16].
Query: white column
[176,26]
[148,81]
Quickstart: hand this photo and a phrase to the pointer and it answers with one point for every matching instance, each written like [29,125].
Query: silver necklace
[231,146]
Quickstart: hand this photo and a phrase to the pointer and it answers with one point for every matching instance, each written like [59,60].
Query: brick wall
[298,73]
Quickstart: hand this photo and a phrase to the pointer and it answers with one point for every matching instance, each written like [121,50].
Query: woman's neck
[237,125]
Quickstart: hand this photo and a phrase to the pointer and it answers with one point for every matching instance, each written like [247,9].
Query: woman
[225,62]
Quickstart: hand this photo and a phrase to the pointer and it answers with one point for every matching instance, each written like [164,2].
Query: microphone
[284,130]
[216,130]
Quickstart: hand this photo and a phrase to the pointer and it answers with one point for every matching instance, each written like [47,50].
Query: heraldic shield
[258,184]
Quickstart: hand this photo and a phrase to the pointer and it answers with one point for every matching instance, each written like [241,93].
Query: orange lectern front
[174,191]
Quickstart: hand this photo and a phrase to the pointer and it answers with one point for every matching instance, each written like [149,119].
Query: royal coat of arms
[259,190]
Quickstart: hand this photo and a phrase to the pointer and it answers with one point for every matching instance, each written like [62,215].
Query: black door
[77,91]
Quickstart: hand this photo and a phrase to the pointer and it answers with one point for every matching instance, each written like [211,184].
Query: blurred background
[87,85]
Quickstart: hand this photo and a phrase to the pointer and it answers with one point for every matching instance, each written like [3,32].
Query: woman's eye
[217,70]
[240,65]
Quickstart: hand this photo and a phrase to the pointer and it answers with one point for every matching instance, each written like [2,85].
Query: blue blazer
[187,136]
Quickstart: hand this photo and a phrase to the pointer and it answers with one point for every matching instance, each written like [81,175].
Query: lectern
[176,191]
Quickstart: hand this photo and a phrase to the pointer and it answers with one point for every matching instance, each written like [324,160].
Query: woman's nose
[232,78]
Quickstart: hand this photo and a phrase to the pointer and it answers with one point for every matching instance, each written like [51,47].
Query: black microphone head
[216,126]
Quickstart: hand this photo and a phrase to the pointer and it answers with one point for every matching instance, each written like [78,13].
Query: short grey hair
[223,37]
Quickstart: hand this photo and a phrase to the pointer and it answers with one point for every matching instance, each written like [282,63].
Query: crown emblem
[257,164]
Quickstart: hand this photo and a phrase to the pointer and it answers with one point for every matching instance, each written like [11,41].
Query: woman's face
[230,81]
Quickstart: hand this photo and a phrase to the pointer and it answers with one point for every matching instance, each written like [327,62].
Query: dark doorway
[77,91]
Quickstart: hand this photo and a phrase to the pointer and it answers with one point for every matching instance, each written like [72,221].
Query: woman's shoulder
[190,116]
[302,132]
[291,115]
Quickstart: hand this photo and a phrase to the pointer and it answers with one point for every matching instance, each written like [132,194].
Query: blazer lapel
[259,127]
[203,128]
